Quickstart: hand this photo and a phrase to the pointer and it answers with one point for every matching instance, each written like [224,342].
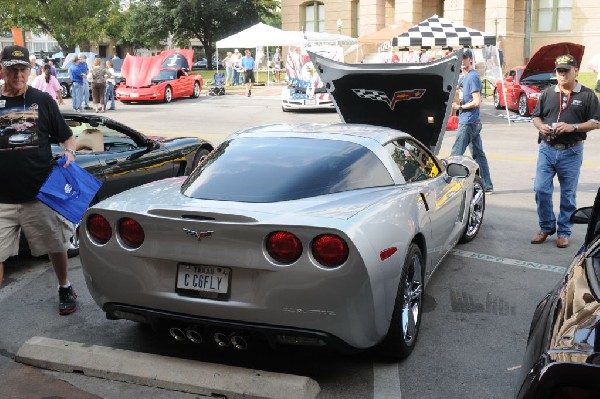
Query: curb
[163,372]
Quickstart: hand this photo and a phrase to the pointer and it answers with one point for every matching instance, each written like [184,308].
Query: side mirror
[457,170]
[582,215]
[509,79]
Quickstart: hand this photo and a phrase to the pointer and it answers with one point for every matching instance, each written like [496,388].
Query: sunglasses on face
[15,69]
[562,70]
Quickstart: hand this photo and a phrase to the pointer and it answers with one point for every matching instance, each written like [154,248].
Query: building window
[314,17]
[555,15]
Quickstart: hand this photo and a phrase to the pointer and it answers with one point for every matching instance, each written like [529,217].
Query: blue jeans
[77,93]
[469,135]
[565,164]
[236,77]
[109,94]
[86,93]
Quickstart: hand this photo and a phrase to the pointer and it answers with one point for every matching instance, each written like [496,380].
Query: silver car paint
[353,302]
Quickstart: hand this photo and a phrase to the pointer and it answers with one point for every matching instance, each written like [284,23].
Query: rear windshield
[283,169]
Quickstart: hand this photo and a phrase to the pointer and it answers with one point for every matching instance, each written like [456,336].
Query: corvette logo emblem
[402,95]
[198,235]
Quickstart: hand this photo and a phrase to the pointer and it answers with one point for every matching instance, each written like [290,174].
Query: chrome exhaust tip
[222,340]
[193,336]
[239,342]
[177,333]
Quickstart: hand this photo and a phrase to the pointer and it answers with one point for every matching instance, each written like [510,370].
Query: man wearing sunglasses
[563,116]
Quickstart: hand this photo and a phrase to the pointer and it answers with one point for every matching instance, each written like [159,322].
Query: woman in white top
[48,83]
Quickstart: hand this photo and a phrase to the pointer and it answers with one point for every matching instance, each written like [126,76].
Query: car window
[112,140]
[413,161]
[282,169]
[166,74]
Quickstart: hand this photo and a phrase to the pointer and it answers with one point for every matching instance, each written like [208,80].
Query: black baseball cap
[565,62]
[15,55]
[467,53]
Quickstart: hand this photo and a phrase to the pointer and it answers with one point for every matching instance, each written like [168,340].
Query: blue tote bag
[69,191]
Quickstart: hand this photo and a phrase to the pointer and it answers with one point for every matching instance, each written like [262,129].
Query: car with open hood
[162,77]
[562,358]
[315,235]
[522,85]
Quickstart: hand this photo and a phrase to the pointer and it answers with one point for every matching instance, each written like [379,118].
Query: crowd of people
[235,72]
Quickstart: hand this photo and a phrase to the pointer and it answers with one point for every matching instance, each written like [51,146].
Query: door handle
[111,161]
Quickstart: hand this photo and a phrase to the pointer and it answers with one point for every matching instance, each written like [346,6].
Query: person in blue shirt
[76,84]
[469,123]
[248,65]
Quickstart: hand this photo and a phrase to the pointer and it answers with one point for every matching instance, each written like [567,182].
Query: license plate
[134,95]
[310,102]
[203,281]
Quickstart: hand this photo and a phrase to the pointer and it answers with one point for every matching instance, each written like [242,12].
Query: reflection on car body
[562,358]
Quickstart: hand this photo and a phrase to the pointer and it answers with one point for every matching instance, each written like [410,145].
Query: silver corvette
[315,235]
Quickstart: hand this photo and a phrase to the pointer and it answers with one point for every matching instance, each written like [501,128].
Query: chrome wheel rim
[413,296]
[168,94]
[196,90]
[476,208]
[522,106]
[496,99]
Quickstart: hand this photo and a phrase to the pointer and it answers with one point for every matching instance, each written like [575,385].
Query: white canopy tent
[437,32]
[261,35]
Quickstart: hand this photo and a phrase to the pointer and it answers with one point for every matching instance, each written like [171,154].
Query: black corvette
[122,157]
[562,358]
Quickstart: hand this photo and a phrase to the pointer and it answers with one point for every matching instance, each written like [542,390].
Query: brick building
[522,26]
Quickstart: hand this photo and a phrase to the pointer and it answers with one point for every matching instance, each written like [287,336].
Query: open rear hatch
[413,98]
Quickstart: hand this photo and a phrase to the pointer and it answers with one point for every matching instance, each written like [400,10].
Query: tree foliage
[71,23]
[142,24]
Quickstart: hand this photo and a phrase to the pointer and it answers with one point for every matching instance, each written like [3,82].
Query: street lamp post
[496,23]
[339,25]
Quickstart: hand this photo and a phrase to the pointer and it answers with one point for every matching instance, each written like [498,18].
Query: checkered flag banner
[441,32]
[375,95]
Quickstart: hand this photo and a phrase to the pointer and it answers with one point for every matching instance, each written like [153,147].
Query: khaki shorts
[46,231]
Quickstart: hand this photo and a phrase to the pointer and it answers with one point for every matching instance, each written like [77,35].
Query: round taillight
[284,247]
[99,228]
[131,233]
[330,250]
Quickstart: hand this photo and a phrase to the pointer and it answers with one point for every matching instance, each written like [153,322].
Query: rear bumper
[273,335]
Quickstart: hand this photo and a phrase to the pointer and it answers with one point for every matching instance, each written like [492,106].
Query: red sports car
[522,86]
[161,77]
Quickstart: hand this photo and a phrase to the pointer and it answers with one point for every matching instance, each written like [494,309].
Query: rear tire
[64,90]
[202,152]
[406,319]
[476,210]
[196,92]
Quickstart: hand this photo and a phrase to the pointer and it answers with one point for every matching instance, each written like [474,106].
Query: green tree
[212,20]
[71,23]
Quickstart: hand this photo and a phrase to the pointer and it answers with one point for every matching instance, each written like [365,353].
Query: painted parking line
[509,261]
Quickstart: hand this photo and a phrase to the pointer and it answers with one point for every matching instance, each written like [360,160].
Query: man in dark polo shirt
[563,116]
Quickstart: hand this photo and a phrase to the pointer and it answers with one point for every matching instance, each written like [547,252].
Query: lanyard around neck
[562,105]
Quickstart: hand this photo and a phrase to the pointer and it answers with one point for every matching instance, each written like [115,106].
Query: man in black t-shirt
[29,119]
[563,116]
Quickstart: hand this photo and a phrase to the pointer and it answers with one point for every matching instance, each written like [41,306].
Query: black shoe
[87,107]
[67,303]
[249,93]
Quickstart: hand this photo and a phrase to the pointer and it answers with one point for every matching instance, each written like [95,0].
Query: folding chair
[217,85]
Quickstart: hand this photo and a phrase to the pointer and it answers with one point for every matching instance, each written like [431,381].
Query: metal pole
[23,30]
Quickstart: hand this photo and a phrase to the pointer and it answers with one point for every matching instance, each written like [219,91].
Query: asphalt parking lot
[478,305]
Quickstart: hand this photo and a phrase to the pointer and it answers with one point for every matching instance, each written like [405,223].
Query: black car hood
[413,98]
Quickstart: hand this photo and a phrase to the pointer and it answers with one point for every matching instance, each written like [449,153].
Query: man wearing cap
[563,116]
[24,165]
[469,123]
